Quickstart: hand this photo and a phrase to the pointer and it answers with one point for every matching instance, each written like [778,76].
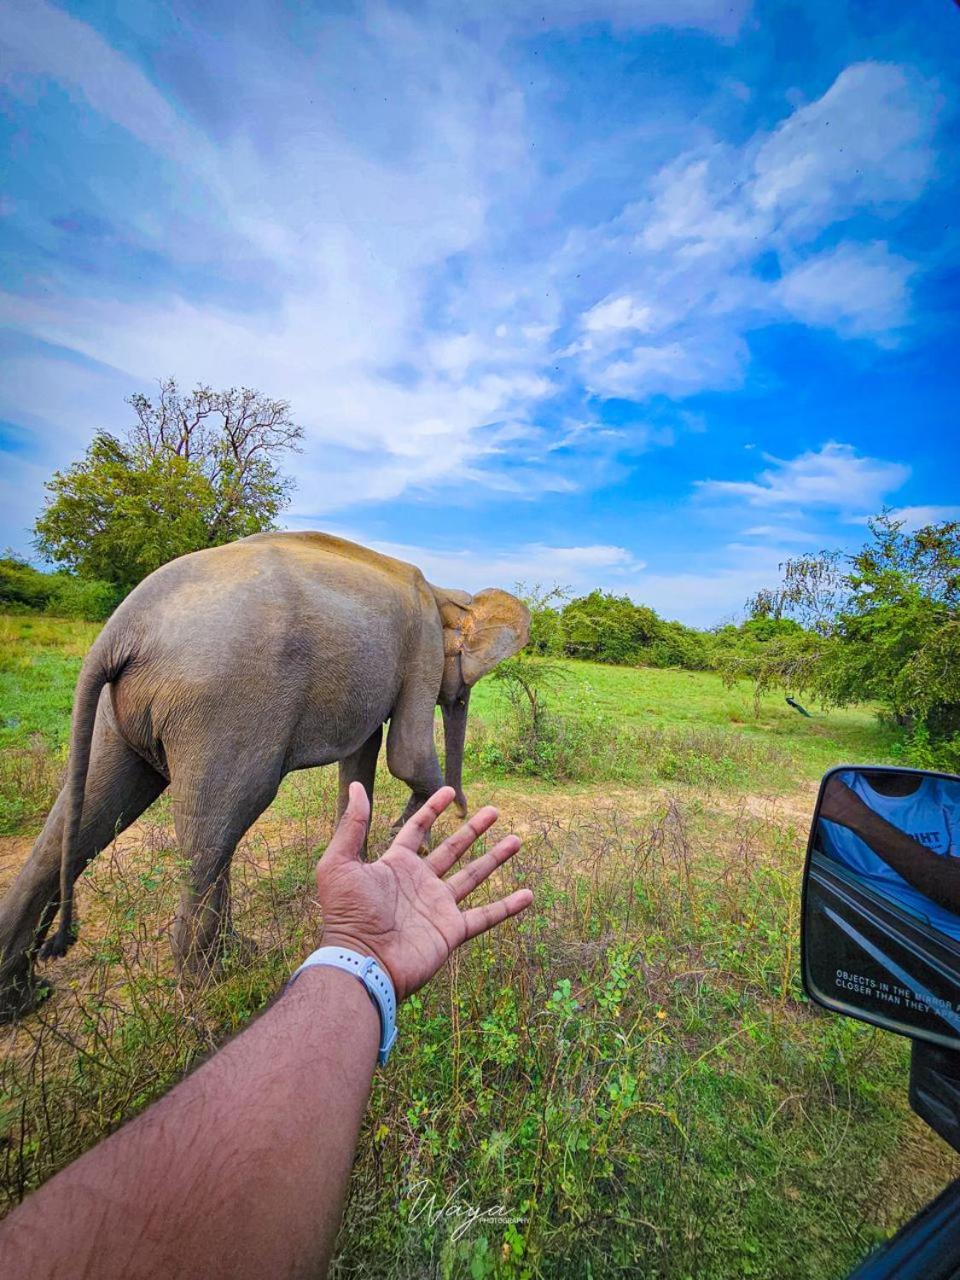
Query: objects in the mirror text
[890,993]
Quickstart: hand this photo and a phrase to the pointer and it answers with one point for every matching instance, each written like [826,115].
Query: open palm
[399,908]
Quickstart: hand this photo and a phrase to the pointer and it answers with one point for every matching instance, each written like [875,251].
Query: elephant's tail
[94,674]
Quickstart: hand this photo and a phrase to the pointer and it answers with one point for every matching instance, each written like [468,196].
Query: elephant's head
[478,632]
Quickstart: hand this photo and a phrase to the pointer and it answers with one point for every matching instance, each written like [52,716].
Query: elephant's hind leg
[119,786]
[211,814]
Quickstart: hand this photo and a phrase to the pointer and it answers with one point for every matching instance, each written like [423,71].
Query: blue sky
[642,294]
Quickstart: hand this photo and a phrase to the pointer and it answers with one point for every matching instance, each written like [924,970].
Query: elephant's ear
[453,606]
[483,629]
[496,626]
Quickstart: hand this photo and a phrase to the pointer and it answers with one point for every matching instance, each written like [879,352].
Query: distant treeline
[24,589]
[601,627]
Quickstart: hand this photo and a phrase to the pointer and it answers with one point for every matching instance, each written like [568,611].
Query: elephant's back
[297,622]
[277,575]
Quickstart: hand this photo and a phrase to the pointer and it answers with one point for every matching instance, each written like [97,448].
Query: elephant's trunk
[454,736]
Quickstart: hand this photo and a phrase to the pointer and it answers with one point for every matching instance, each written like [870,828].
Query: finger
[446,854]
[475,872]
[351,829]
[413,834]
[480,919]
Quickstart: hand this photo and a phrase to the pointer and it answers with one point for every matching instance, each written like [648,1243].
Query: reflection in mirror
[882,900]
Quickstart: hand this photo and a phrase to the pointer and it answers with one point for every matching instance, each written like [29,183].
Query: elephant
[226,669]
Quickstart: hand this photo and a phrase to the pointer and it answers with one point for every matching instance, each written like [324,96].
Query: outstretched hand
[399,908]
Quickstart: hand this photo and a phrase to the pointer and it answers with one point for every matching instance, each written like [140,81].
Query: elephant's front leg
[361,766]
[411,753]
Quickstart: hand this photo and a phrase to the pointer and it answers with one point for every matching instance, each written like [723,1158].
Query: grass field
[631,1070]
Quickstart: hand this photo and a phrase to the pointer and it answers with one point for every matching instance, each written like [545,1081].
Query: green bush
[882,625]
[91,600]
[24,588]
[920,750]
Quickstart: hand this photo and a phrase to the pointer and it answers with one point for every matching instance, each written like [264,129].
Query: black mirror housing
[880,934]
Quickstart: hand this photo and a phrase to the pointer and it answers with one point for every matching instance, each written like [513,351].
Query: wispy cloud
[380,347]
[687,253]
[834,476]
[578,568]
[858,290]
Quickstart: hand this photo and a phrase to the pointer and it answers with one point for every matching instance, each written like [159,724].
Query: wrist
[364,969]
[322,987]
[353,942]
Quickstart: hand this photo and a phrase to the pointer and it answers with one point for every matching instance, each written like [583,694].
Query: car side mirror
[881,901]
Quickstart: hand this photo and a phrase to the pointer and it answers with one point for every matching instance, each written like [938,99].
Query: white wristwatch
[374,978]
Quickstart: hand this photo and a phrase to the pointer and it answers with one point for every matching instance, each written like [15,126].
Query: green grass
[645,698]
[39,661]
[631,726]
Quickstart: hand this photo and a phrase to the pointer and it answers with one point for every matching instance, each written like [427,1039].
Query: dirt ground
[524,812]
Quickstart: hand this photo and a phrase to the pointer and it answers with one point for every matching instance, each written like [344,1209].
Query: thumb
[351,829]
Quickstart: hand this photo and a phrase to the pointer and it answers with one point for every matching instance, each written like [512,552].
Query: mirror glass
[881,916]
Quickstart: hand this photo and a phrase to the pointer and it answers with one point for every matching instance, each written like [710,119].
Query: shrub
[89,599]
[22,586]
[592,747]
[25,588]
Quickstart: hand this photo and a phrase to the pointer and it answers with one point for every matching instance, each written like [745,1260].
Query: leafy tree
[883,624]
[679,646]
[608,628]
[196,470]
[546,633]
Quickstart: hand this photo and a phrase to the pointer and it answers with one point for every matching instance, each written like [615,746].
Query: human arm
[935,876]
[241,1170]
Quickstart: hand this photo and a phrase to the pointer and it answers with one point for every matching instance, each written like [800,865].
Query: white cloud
[773,534]
[686,292]
[347,240]
[38,39]
[709,598]
[859,290]
[834,476]
[676,368]
[723,17]
[617,314]
[865,142]
[350,203]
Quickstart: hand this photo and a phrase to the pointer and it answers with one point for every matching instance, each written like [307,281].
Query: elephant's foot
[199,964]
[59,943]
[22,995]
[239,947]
[395,830]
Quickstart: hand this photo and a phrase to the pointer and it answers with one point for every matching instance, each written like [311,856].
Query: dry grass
[631,1068]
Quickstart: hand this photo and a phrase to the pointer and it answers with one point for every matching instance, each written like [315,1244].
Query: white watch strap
[374,978]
